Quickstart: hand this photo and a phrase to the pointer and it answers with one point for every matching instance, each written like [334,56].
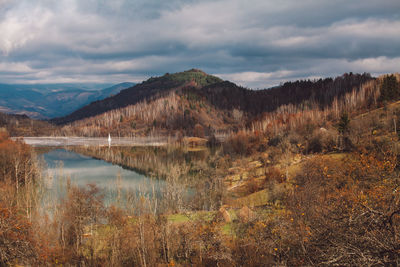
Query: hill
[150,89]
[22,125]
[178,102]
[43,101]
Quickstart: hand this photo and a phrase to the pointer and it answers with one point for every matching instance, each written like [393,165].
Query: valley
[222,179]
[44,101]
[220,133]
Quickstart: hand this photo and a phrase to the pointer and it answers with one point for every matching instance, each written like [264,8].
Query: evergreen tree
[389,88]
[344,122]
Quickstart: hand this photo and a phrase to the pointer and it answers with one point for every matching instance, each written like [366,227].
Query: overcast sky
[255,43]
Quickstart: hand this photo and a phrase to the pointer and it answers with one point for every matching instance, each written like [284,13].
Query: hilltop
[151,89]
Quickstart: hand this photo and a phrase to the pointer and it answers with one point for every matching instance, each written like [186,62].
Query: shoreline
[93,141]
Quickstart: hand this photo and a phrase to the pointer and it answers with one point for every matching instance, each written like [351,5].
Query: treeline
[175,114]
[22,125]
[19,202]
[182,94]
[356,101]
[390,88]
[320,93]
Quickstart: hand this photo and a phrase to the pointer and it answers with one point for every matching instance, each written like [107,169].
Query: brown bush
[198,131]
[243,144]
[237,144]
[17,242]
[341,210]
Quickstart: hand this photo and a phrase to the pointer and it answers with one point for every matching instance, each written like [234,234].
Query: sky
[255,43]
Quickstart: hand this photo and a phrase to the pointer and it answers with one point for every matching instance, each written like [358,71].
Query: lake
[64,165]
[167,178]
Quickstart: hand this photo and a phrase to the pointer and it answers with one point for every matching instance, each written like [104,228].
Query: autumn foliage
[18,243]
[328,178]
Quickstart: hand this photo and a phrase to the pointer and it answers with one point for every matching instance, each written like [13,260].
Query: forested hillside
[153,88]
[320,93]
[22,125]
[178,103]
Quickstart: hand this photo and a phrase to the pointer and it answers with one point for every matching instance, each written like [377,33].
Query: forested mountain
[180,101]
[322,92]
[150,89]
[43,101]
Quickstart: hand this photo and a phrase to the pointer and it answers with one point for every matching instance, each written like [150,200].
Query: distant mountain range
[45,101]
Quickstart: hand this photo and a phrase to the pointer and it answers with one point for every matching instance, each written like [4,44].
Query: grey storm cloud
[256,43]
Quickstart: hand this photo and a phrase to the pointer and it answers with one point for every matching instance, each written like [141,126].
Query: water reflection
[170,178]
[68,166]
[200,169]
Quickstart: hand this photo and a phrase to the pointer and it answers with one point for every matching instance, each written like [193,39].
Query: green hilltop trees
[390,89]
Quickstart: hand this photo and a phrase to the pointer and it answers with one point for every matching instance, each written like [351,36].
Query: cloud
[257,44]
[317,69]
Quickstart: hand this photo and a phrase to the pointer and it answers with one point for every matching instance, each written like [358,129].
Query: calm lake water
[64,165]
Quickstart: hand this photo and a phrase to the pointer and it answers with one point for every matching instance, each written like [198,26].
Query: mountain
[150,89]
[193,101]
[321,93]
[43,101]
